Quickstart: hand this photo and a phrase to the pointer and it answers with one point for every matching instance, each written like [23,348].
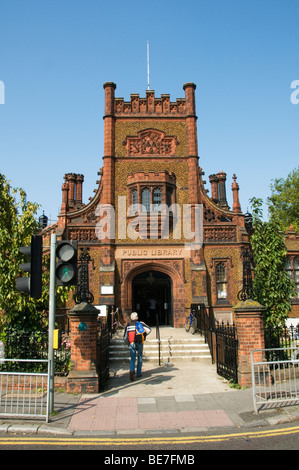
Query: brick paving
[178,397]
[146,413]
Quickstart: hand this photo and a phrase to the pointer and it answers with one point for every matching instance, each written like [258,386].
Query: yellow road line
[96,441]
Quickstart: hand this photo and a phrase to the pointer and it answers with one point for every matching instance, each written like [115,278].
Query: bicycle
[117,327]
[191,323]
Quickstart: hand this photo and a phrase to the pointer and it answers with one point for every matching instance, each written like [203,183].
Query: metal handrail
[158,337]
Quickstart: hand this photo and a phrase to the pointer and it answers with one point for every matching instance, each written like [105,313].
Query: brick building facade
[139,223]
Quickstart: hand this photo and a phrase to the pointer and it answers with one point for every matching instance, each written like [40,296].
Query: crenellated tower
[150,174]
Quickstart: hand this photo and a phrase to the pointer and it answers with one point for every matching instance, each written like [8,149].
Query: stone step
[163,359]
[189,348]
[148,346]
[150,349]
[163,344]
[174,353]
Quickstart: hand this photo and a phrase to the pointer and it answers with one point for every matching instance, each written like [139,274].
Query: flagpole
[148,82]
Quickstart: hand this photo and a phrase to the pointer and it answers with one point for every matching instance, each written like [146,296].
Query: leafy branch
[272,286]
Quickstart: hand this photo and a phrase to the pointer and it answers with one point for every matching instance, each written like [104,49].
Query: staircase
[176,345]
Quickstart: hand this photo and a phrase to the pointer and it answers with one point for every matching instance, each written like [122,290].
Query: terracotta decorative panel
[150,142]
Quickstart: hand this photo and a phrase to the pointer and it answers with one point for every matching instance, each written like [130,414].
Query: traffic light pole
[52,301]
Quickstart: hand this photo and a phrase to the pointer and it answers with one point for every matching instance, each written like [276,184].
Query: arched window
[146,199]
[168,197]
[157,199]
[221,281]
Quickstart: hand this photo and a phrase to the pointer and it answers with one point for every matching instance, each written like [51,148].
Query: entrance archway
[174,271]
[151,296]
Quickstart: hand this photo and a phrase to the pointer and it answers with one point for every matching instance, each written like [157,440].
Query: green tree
[284,200]
[18,221]
[272,286]
[17,224]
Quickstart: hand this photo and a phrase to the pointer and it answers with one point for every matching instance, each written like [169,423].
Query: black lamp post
[248,222]
[43,221]
[247,291]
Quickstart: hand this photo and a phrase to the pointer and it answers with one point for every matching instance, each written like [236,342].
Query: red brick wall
[83,349]
[250,331]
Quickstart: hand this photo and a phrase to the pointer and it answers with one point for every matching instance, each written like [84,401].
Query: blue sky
[55,56]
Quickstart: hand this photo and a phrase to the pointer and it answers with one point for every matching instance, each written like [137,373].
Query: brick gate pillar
[250,331]
[83,375]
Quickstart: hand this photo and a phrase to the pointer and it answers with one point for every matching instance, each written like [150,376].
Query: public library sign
[151,252]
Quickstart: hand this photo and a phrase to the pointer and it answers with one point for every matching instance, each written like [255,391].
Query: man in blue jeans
[135,348]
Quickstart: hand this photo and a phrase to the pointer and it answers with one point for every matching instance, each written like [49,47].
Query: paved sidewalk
[141,415]
[186,397]
[165,398]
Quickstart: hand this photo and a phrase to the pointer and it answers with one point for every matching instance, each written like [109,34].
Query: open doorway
[151,296]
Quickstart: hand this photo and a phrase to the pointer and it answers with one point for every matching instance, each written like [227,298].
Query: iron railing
[103,343]
[275,383]
[227,351]
[278,338]
[25,393]
[33,345]
[205,327]
[222,341]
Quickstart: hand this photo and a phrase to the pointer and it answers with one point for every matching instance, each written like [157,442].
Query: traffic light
[66,270]
[32,284]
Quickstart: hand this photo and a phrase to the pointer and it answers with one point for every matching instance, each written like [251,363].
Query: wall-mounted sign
[102,310]
[107,290]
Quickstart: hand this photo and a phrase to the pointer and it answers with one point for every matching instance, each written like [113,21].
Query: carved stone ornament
[151,142]
[171,265]
[211,216]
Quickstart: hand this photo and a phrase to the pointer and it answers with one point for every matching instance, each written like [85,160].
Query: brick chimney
[235,189]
